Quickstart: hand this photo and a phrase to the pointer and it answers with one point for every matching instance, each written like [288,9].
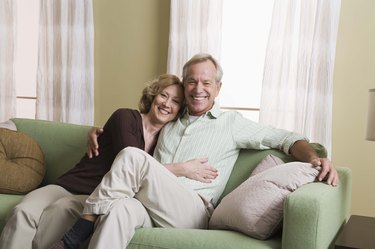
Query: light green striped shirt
[219,136]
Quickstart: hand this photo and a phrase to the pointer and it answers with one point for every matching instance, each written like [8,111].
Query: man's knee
[130,152]
[132,157]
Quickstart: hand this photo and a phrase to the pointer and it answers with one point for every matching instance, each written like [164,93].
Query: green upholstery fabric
[7,203]
[167,238]
[63,144]
[313,214]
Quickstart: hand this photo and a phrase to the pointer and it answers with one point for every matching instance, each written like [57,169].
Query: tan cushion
[255,207]
[21,163]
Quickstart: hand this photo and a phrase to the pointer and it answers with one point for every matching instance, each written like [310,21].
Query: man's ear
[218,85]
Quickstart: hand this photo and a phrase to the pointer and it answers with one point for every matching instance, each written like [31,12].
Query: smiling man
[201,86]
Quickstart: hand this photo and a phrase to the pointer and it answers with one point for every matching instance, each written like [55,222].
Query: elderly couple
[163,166]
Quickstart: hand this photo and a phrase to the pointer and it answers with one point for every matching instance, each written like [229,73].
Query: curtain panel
[195,27]
[65,74]
[298,74]
[7,55]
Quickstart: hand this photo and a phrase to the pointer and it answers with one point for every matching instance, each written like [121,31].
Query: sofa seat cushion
[181,238]
[21,162]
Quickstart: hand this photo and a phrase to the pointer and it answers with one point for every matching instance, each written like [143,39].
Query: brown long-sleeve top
[124,128]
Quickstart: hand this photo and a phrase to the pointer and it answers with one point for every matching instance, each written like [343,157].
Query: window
[246,26]
[26,57]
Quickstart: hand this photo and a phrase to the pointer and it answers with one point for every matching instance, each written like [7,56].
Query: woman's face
[167,103]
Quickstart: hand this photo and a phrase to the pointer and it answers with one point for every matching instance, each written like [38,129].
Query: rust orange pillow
[21,162]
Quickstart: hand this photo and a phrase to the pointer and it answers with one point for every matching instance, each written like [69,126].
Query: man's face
[201,88]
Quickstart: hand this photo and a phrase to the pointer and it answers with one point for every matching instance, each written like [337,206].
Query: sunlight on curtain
[7,54]
[298,74]
[195,27]
[65,76]
[26,58]
[246,26]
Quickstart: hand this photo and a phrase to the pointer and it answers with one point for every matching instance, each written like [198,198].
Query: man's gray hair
[202,58]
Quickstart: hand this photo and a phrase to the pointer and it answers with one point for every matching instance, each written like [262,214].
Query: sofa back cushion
[63,144]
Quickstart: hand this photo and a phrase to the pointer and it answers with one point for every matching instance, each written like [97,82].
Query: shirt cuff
[291,140]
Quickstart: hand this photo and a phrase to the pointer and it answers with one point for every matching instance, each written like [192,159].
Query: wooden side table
[358,233]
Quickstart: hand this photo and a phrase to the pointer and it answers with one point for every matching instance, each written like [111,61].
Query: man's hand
[302,151]
[328,171]
[195,169]
[92,143]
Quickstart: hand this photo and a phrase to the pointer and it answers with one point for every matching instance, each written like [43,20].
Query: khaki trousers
[41,218]
[140,192]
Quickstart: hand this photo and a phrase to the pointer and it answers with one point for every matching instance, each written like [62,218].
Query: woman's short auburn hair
[155,87]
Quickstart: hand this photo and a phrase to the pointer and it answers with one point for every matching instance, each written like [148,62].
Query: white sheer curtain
[7,54]
[298,74]
[65,77]
[195,27]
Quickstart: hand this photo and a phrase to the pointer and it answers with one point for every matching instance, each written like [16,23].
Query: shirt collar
[214,112]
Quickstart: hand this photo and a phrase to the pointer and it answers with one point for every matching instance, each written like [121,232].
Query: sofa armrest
[314,214]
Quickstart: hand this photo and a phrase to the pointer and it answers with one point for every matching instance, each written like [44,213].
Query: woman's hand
[92,142]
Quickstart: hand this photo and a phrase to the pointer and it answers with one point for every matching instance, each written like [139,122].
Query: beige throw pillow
[267,163]
[255,207]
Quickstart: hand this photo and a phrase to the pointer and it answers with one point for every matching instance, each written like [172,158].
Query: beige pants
[41,218]
[140,192]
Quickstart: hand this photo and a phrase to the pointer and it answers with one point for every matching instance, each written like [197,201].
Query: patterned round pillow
[21,162]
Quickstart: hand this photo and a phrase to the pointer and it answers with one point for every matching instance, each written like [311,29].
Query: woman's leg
[23,221]
[57,218]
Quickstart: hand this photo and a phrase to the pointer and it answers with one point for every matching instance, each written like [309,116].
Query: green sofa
[313,215]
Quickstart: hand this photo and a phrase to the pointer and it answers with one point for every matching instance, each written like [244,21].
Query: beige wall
[131,46]
[131,42]
[354,75]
